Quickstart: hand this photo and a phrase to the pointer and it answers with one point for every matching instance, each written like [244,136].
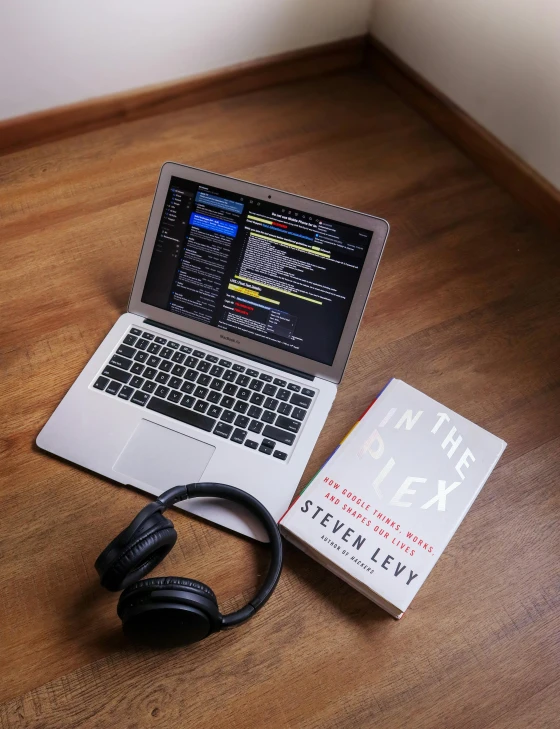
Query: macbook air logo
[230,339]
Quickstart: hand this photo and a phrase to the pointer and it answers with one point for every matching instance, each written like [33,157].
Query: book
[383,507]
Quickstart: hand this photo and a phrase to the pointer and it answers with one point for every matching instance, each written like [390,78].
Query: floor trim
[514,175]
[65,121]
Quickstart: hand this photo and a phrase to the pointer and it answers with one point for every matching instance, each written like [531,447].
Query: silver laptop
[243,312]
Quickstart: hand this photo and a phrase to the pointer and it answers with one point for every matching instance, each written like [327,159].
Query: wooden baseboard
[65,121]
[535,193]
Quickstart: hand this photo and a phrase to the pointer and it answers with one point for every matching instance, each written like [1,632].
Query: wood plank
[464,307]
[64,121]
[524,183]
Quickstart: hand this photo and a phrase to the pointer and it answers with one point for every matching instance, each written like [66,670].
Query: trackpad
[161,458]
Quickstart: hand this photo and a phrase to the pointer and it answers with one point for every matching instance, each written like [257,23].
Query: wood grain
[526,185]
[465,307]
[64,121]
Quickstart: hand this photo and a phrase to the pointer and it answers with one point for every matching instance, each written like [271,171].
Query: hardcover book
[382,509]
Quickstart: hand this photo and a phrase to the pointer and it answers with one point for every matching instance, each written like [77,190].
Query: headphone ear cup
[145,551]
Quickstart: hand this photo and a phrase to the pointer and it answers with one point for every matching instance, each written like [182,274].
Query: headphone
[170,611]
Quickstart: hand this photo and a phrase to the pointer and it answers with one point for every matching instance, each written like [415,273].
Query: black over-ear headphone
[170,611]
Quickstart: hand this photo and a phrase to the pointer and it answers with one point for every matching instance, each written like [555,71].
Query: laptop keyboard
[242,404]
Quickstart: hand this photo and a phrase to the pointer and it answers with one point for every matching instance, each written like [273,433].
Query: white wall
[55,52]
[499,60]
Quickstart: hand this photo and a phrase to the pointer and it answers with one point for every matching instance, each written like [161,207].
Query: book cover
[382,509]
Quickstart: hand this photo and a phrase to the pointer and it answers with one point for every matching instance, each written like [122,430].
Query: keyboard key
[217,371]
[187,387]
[161,391]
[280,455]
[191,362]
[140,398]
[125,392]
[142,344]
[265,378]
[112,388]
[256,385]
[228,416]
[185,349]
[137,368]
[174,396]
[161,340]
[240,407]
[214,411]
[229,376]
[188,401]
[264,449]
[115,374]
[286,424]
[224,363]
[178,370]
[154,348]
[255,426]
[223,430]
[283,395]
[268,443]
[213,396]
[166,352]
[136,382]
[149,386]
[238,435]
[238,368]
[243,380]
[101,383]
[141,357]
[279,382]
[125,351]
[243,394]
[252,373]
[227,402]
[135,331]
[173,345]
[269,390]
[175,383]
[129,339]
[242,421]
[307,392]
[178,358]
[164,407]
[147,335]
[162,378]
[165,366]
[300,401]
[153,361]
[230,389]
[284,408]
[270,403]
[299,414]
[217,384]
[191,375]
[268,416]
[252,444]
[201,406]
[211,358]
[293,387]
[204,380]
[198,353]
[149,373]
[122,362]
[254,412]
[203,366]
[257,398]
[201,391]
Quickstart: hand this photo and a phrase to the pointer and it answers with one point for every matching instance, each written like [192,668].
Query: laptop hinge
[230,350]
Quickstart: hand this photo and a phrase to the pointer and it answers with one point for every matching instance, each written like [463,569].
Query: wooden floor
[465,307]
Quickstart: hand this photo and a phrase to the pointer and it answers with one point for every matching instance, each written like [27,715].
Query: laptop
[244,308]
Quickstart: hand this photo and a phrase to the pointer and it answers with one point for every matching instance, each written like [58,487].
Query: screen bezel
[334,372]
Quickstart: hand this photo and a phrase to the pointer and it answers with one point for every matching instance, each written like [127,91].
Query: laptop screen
[253,268]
